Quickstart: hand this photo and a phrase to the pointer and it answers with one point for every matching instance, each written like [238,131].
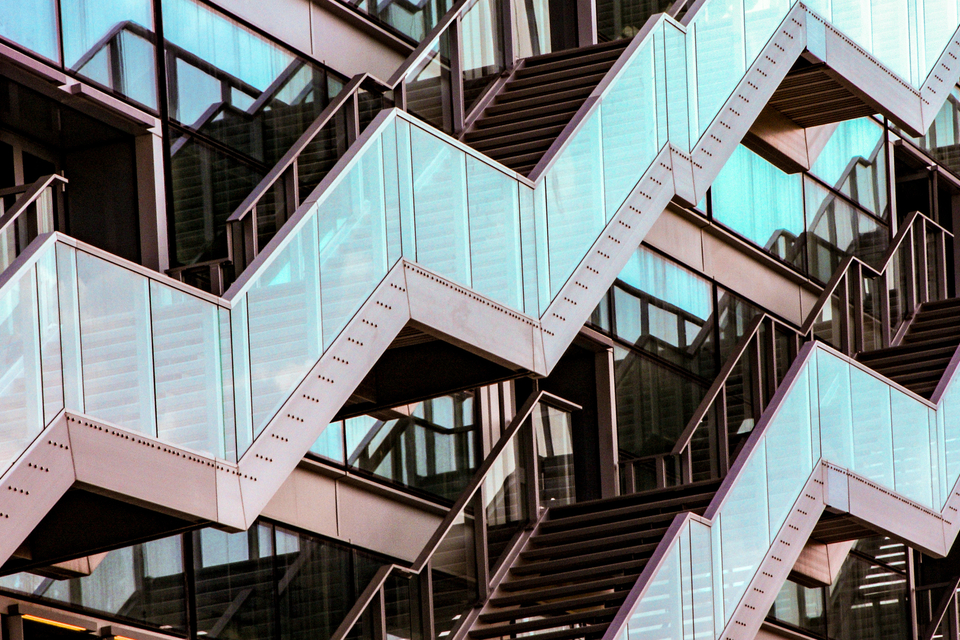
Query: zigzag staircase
[596,193]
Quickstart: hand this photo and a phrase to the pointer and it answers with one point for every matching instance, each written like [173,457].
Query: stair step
[550,90]
[554,76]
[528,69]
[564,591]
[552,608]
[544,623]
[596,560]
[658,507]
[555,579]
[591,544]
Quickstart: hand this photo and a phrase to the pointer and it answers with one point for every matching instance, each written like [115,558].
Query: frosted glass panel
[284,323]
[115,338]
[744,529]
[186,354]
[353,241]
[494,234]
[911,448]
[872,435]
[52,366]
[575,213]
[836,425]
[440,200]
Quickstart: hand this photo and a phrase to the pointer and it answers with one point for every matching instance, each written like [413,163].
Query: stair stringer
[688,176]
[828,486]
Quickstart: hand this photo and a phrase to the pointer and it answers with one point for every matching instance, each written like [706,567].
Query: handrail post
[755,382]
[920,240]
[528,446]
[941,242]
[723,437]
[425,591]
[291,194]
[885,319]
[480,545]
[352,117]
[770,347]
[910,295]
[845,342]
[457,113]
[855,291]
[378,611]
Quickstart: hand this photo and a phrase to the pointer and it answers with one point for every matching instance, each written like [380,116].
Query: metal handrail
[806,330]
[30,195]
[467,497]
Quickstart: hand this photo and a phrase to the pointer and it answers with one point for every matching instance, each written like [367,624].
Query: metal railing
[861,308]
[504,491]
[429,84]
[27,211]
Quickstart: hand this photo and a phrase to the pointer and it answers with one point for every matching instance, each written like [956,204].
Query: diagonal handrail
[806,331]
[453,516]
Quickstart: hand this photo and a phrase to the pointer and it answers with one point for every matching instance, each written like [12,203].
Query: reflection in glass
[32,24]
[554,434]
[112,42]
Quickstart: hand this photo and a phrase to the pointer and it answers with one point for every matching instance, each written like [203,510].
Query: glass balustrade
[836,411]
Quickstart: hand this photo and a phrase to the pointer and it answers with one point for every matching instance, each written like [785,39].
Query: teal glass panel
[494,234]
[938,485]
[353,241]
[70,327]
[716,551]
[227,392]
[21,399]
[330,443]
[872,430]
[686,587]
[31,24]
[51,359]
[744,528]
[575,213]
[720,55]
[891,40]
[853,162]
[115,338]
[852,18]
[761,18]
[284,322]
[836,422]
[675,52]
[911,448]
[774,218]
[939,19]
[528,251]
[391,191]
[240,348]
[814,386]
[701,579]
[408,231]
[660,85]
[659,614]
[186,356]
[629,118]
[440,197]
[543,252]
[789,456]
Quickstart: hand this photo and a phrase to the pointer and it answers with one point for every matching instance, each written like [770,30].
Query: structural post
[152,199]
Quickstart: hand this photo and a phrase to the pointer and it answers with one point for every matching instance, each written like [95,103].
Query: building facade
[613,320]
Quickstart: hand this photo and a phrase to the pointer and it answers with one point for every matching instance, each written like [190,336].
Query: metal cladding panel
[143,470]
[876,85]
[899,518]
[229,500]
[471,321]
[746,102]
[683,185]
[779,560]
[34,484]
[303,417]
[940,81]
[951,516]
[578,297]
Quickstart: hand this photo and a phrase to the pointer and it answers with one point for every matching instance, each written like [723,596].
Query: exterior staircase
[581,562]
[538,102]
[921,358]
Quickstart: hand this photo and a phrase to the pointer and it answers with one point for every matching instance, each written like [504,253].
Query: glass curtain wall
[431,446]
[812,220]
[942,140]
[265,583]
[674,329]
[868,601]
[109,42]
[237,103]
